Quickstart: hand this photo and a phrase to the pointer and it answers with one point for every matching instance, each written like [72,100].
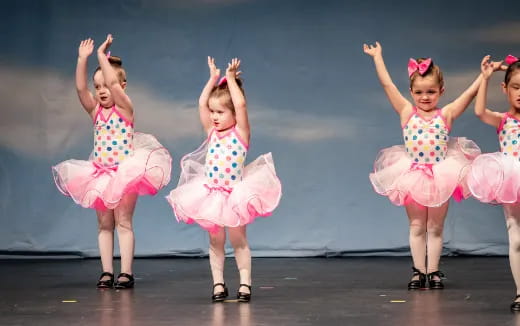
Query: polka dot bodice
[113,138]
[225,159]
[509,136]
[426,140]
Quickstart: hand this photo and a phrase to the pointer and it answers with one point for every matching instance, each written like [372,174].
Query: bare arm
[400,104]
[238,98]
[204,112]
[487,116]
[454,109]
[114,85]
[86,98]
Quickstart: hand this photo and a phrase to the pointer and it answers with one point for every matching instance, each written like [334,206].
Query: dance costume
[430,168]
[122,162]
[216,190]
[495,177]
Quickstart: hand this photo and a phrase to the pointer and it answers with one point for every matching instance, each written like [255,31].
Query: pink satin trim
[426,168]
[114,110]
[100,169]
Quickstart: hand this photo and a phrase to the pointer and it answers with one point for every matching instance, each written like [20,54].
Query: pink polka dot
[99,149]
[115,153]
[432,154]
[99,159]
[216,156]
[432,142]
[420,142]
[110,159]
[99,138]
[226,183]
[210,162]
[108,138]
[228,170]
[515,153]
[228,158]
[215,181]
[415,149]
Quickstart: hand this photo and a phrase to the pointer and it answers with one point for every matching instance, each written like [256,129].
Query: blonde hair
[433,70]
[221,91]
[117,64]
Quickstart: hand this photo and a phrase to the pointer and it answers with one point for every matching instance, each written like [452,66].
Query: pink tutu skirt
[495,178]
[99,187]
[431,185]
[257,194]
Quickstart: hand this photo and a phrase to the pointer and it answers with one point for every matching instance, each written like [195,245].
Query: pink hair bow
[222,81]
[510,59]
[108,54]
[422,67]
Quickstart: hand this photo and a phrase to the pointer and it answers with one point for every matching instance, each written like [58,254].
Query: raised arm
[398,101]
[204,112]
[238,98]
[454,109]
[487,116]
[86,47]
[112,82]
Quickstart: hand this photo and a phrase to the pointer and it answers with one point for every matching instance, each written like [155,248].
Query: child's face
[221,115]
[102,95]
[512,90]
[426,92]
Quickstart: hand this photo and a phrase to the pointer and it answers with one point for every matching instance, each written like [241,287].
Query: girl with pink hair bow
[495,177]
[429,169]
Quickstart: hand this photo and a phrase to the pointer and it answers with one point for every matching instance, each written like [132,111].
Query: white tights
[426,227]
[238,239]
[120,219]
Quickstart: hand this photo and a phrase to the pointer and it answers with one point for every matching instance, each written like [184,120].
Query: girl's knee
[124,226]
[435,230]
[417,229]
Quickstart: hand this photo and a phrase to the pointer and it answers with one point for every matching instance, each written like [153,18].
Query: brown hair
[433,70]
[509,72]
[221,91]
[117,64]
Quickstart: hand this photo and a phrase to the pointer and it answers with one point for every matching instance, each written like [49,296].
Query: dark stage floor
[287,291]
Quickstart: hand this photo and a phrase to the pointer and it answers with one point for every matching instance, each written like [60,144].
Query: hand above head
[86,47]
[487,67]
[214,72]
[373,50]
[232,69]
[105,45]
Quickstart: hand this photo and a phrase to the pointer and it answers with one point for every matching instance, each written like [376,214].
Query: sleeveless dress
[216,190]
[429,168]
[122,162]
[495,177]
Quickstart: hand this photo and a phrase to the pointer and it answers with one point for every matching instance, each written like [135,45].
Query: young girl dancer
[122,165]
[215,190]
[423,174]
[495,177]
